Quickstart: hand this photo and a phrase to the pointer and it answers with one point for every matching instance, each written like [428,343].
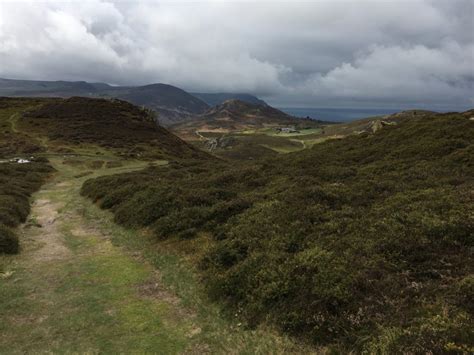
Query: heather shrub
[8,240]
[17,183]
[362,244]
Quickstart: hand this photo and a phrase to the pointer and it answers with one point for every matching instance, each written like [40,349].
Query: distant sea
[337,114]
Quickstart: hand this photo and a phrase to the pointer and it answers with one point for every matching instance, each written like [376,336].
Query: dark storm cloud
[293,53]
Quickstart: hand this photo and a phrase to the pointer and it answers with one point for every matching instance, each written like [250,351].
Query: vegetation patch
[22,172]
[17,183]
[363,243]
[12,141]
[8,240]
[107,123]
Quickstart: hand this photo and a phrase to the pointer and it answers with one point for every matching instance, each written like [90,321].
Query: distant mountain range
[173,104]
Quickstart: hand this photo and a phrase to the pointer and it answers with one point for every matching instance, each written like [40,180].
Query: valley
[242,130]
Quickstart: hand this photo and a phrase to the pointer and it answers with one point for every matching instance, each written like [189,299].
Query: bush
[17,183]
[8,241]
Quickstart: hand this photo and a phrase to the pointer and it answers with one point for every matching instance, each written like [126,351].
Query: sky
[326,53]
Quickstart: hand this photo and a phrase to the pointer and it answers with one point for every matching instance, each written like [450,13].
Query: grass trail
[12,120]
[85,285]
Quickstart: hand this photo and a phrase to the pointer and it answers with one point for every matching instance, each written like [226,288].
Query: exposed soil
[48,239]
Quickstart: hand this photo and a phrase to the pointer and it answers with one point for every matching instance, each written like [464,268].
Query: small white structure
[290,129]
[17,160]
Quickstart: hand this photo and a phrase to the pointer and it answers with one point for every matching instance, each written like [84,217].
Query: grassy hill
[360,244]
[114,124]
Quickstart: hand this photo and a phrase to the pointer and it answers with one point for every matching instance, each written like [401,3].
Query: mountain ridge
[172,103]
[214,99]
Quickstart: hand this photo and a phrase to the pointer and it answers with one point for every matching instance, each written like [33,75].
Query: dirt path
[49,241]
[84,285]
[201,137]
[83,293]
[12,119]
[302,142]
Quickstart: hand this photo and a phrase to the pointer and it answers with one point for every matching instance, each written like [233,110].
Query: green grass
[262,143]
[302,132]
[95,307]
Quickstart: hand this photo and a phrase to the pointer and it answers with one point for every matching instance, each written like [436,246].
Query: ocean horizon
[337,114]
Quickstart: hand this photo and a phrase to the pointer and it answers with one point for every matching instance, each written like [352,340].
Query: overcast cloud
[319,53]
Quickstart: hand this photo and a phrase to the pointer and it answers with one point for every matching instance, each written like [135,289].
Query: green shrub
[465,293]
[17,183]
[8,241]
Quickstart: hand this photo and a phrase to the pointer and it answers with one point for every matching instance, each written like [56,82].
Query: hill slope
[219,98]
[361,244]
[113,124]
[171,103]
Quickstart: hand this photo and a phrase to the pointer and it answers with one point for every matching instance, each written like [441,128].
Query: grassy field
[274,132]
[260,143]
